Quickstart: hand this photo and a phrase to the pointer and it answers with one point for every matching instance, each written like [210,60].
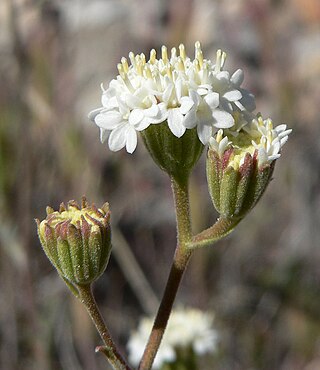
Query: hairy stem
[217,231]
[110,350]
[180,261]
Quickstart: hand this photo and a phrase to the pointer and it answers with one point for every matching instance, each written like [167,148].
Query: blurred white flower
[177,91]
[186,328]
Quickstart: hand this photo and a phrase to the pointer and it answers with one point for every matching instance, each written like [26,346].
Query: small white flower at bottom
[186,327]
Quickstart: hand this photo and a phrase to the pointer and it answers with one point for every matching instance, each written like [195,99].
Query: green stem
[182,206]
[110,350]
[180,262]
[217,231]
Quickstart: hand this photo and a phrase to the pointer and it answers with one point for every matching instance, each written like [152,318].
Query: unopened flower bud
[77,240]
[240,164]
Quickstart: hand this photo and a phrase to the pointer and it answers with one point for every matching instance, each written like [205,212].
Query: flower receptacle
[176,156]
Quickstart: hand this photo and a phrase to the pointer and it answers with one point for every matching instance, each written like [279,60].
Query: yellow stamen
[121,70]
[182,51]
[125,65]
[173,53]
[153,56]
[132,58]
[143,59]
[147,72]
[164,54]
[181,64]
[219,136]
[198,53]
[217,67]
[223,58]
[197,65]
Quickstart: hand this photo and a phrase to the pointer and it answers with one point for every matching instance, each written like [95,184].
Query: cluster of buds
[240,164]
[77,240]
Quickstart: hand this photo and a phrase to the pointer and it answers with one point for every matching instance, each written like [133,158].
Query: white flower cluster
[184,93]
[250,134]
[186,327]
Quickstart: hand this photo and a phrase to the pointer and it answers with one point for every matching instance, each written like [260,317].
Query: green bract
[77,240]
[176,156]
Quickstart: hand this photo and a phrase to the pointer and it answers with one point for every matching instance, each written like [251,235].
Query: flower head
[240,162]
[176,90]
[77,240]
[187,328]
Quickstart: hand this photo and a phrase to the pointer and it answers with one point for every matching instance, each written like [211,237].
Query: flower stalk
[180,261]
[217,231]
[109,349]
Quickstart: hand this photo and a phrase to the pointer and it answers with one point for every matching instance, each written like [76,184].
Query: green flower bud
[240,166]
[176,156]
[77,240]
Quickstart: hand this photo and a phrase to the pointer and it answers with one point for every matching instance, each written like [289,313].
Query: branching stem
[180,261]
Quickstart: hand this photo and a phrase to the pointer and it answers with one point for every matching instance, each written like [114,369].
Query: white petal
[222,119]
[223,144]
[167,93]
[117,138]
[153,111]
[109,102]
[237,77]
[136,116]
[186,104]
[108,120]
[212,100]
[276,146]
[202,90]
[190,119]
[273,157]
[123,108]
[281,128]
[284,133]
[204,133]
[143,124]
[248,100]
[162,114]
[233,95]
[175,122]
[131,139]
[103,135]
[194,95]
[239,105]
[223,76]
[178,86]
[94,113]
[132,101]
[262,156]
[105,100]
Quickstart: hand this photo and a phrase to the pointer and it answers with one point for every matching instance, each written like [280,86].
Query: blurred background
[262,282]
